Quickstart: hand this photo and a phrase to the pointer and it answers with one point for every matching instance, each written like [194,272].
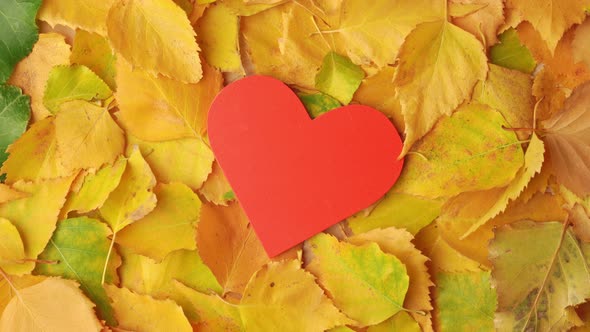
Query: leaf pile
[115,215]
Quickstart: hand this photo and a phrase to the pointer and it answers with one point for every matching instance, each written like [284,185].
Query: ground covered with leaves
[115,215]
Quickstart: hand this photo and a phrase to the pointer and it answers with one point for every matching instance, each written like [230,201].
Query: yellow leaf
[377,91]
[196,156]
[398,242]
[476,208]
[285,43]
[145,276]
[581,43]
[366,283]
[89,15]
[94,51]
[11,245]
[144,313]
[10,286]
[155,35]
[133,198]
[216,189]
[35,309]
[551,18]
[282,296]
[581,223]
[465,152]
[212,313]
[31,73]
[402,321]
[218,35]
[35,217]
[34,156]
[242,253]
[398,210]
[9,194]
[87,136]
[372,32]
[170,226]
[484,22]
[439,65]
[509,92]
[95,189]
[159,108]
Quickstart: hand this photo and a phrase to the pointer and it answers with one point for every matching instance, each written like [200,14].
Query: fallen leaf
[155,35]
[133,198]
[510,53]
[580,44]
[339,77]
[465,301]
[79,247]
[9,290]
[14,116]
[484,22]
[317,104]
[160,108]
[551,18]
[465,152]
[18,33]
[94,51]
[211,312]
[283,292]
[32,72]
[78,14]
[75,82]
[144,313]
[398,210]
[196,157]
[216,189]
[172,225]
[8,194]
[87,136]
[398,242]
[145,276]
[568,141]
[367,284]
[35,217]
[402,321]
[34,309]
[11,244]
[537,280]
[581,223]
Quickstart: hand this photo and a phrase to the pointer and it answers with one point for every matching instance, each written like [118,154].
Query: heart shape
[295,176]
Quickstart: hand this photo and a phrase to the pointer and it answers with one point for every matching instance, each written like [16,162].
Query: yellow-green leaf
[510,53]
[339,77]
[94,51]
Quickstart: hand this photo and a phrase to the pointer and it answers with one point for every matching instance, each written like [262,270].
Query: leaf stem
[106,263]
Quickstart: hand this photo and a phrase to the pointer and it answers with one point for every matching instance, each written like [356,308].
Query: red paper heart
[295,176]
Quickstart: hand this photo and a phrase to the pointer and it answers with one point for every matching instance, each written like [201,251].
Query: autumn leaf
[14,116]
[144,313]
[85,14]
[338,77]
[468,151]
[170,226]
[10,286]
[79,246]
[317,104]
[580,44]
[367,284]
[568,141]
[34,309]
[160,30]
[283,291]
[537,280]
[216,189]
[18,33]
[510,53]
[76,82]
[551,19]
[465,301]
[11,245]
[159,108]
[439,65]
[94,51]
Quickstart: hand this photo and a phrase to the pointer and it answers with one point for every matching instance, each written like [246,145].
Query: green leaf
[80,246]
[510,53]
[540,269]
[18,33]
[398,210]
[339,77]
[75,82]
[15,111]
[367,284]
[317,104]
